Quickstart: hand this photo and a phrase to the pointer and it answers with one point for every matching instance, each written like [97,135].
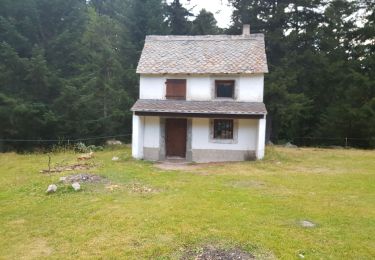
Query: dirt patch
[112,187]
[74,167]
[37,248]
[247,184]
[83,177]
[140,188]
[181,166]
[17,222]
[212,253]
[188,166]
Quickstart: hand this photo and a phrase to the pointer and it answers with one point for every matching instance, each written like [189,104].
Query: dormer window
[224,88]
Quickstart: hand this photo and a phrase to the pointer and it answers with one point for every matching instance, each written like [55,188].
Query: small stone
[51,188]
[76,186]
[301,256]
[113,142]
[290,145]
[307,224]
[62,179]
[115,158]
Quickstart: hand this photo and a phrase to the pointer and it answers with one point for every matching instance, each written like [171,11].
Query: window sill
[223,141]
[224,99]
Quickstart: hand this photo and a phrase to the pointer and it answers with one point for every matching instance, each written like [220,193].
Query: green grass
[256,206]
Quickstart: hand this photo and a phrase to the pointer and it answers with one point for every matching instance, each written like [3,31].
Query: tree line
[67,67]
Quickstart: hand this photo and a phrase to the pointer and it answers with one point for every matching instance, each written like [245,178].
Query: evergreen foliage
[320,56]
[67,67]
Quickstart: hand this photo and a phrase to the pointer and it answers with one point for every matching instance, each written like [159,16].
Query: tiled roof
[199,107]
[208,54]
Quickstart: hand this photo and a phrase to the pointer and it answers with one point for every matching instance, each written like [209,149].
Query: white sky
[220,8]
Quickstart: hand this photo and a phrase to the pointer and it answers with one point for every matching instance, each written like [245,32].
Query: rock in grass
[76,186]
[51,188]
[307,224]
[113,142]
[290,145]
[115,158]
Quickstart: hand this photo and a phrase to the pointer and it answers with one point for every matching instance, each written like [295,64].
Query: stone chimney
[246,30]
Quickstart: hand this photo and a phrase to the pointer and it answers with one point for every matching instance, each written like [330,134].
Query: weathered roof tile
[200,107]
[208,54]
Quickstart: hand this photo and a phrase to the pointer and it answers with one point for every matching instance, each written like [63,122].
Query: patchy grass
[147,212]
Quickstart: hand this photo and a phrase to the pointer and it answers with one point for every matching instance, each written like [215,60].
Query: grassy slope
[255,205]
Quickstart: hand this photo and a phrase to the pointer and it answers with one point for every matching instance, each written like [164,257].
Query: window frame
[234,138]
[226,81]
[226,125]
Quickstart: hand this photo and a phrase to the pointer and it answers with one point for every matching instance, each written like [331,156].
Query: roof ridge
[204,37]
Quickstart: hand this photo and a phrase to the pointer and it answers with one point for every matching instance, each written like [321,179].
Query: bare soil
[177,166]
[212,253]
[74,167]
[83,177]
[136,187]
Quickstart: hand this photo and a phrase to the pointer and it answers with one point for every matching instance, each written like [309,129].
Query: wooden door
[176,89]
[175,137]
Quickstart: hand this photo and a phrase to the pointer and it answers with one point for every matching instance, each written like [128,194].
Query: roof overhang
[202,109]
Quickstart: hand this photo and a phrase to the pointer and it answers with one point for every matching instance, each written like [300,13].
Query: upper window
[223,129]
[224,88]
[176,89]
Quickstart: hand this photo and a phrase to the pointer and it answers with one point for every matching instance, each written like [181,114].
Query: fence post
[346,142]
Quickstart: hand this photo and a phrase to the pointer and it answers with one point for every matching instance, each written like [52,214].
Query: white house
[201,98]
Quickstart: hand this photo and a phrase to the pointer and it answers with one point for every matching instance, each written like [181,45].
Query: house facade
[201,98]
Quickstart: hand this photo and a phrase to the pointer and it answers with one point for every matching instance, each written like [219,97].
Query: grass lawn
[255,206]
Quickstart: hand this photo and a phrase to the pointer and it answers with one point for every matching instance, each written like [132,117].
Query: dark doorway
[175,137]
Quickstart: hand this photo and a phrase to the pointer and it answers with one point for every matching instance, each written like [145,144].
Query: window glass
[224,88]
[223,129]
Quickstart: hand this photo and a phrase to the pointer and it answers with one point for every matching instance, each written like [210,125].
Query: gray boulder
[307,224]
[113,142]
[290,145]
[76,186]
[51,188]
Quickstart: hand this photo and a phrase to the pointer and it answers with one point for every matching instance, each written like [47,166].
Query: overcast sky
[219,8]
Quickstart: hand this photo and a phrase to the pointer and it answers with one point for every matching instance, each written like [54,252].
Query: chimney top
[246,29]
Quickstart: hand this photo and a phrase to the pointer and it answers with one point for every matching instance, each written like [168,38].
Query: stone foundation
[211,155]
[151,154]
[203,155]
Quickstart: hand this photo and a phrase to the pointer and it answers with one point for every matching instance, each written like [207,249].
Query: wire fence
[343,142]
[62,140]
[36,144]
[8,144]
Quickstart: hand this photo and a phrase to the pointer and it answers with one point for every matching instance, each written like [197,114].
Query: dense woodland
[67,67]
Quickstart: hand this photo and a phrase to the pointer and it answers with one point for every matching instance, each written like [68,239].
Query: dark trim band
[200,115]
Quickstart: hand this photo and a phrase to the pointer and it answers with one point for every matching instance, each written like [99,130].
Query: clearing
[297,203]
